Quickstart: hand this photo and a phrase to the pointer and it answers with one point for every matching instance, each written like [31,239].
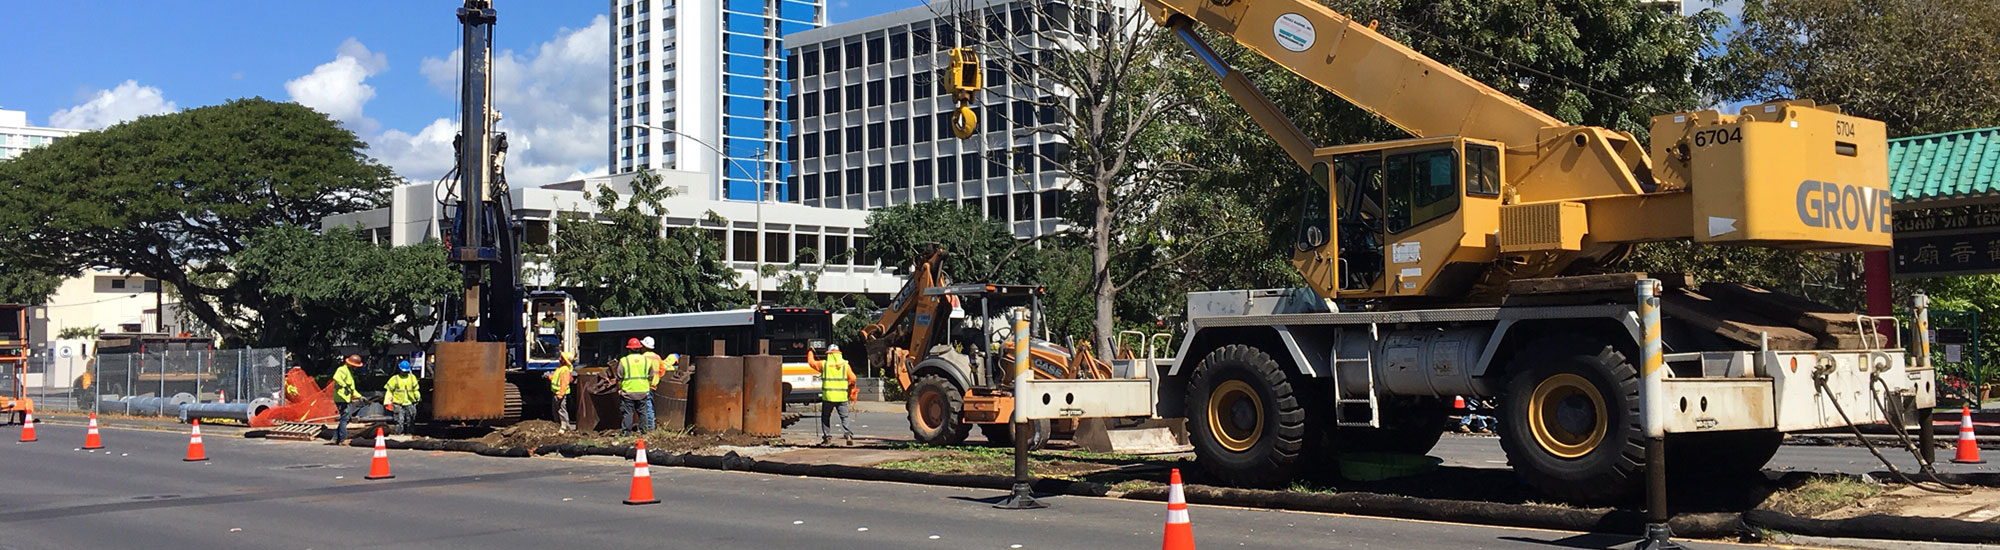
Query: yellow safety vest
[635,374]
[559,381]
[402,389]
[343,385]
[833,379]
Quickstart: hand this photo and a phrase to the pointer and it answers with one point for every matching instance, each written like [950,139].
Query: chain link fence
[76,383]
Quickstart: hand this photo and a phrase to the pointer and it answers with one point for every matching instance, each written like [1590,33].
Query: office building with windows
[699,86]
[17,137]
[873,123]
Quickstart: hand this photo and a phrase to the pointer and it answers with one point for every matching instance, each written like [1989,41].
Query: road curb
[1534,516]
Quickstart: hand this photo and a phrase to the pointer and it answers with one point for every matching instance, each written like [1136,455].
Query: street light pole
[760,180]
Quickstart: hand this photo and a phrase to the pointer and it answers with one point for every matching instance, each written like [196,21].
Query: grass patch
[1821,495]
[1130,485]
[1306,487]
[994,461]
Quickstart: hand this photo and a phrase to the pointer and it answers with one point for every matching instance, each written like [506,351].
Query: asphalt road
[1475,451]
[258,494]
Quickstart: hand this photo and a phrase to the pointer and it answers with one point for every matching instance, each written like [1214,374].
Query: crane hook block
[964,122]
[965,75]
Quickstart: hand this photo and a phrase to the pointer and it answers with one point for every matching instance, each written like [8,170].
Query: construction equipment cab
[1442,265]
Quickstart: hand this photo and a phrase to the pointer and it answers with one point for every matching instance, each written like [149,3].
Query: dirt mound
[537,433]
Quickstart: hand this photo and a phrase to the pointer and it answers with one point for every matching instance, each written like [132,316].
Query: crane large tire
[1569,421]
[1246,425]
[937,411]
[1002,435]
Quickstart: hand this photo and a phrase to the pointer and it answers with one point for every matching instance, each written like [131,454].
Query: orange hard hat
[633,343]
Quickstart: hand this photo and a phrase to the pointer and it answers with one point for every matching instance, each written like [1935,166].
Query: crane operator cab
[1383,205]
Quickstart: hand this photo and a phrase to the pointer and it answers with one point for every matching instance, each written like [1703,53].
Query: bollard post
[1653,415]
[1023,497]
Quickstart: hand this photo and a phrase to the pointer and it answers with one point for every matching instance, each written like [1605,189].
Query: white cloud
[421,157]
[553,103]
[338,88]
[107,107]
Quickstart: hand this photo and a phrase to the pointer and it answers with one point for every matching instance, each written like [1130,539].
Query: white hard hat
[833,348]
[648,341]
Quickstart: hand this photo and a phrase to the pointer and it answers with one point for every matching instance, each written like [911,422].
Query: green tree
[977,249]
[173,196]
[26,284]
[1920,66]
[73,333]
[621,261]
[337,288]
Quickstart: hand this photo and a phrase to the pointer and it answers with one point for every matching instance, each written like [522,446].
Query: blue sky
[385,68]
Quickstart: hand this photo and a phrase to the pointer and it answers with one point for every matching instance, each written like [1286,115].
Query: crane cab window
[1357,188]
[1482,170]
[1419,187]
[1316,219]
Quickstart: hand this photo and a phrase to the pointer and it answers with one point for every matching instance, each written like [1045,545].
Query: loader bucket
[1114,435]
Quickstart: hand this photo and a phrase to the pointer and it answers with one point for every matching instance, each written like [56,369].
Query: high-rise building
[874,124]
[17,137]
[700,86]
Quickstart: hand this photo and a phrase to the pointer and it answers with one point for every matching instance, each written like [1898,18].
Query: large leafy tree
[26,284]
[621,260]
[172,197]
[977,249]
[337,288]
[1920,66]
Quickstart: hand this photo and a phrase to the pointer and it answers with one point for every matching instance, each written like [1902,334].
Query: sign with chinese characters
[1949,254]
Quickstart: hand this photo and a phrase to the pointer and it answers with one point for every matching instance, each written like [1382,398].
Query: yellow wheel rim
[1567,415]
[1235,415]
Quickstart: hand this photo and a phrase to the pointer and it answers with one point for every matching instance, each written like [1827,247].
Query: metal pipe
[147,406]
[1023,497]
[1654,417]
[238,411]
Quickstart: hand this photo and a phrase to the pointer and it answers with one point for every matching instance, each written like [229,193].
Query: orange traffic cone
[1458,402]
[642,479]
[379,467]
[90,438]
[1180,533]
[28,428]
[195,452]
[1968,446]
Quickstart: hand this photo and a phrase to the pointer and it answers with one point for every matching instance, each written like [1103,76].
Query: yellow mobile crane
[1441,265]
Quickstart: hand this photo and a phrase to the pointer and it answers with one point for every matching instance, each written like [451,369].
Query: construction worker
[403,396]
[635,374]
[836,388]
[659,364]
[559,383]
[346,397]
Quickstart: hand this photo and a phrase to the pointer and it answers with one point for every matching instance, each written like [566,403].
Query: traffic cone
[1968,446]
[642,479]
[90,438]
[379,467]
[28,428]
[1180,533]
[195,452]
[1458,402]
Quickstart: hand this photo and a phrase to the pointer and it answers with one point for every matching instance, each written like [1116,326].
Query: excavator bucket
[1112,435]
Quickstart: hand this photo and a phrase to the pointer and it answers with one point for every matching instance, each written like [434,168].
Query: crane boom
[1491,189]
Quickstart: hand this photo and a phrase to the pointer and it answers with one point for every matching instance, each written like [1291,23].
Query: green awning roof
[1951,165]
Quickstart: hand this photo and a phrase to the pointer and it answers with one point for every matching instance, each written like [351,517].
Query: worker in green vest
[403,396]
[346,397]
[635,387]
[836,385]
[559,383]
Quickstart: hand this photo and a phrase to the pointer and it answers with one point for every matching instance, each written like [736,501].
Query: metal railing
[152,382]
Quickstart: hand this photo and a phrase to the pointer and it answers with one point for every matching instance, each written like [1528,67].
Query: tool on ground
[90,438]
[195,451]
[642,479]
[28,428]
[1968,444]
[1180,533]
[378,468]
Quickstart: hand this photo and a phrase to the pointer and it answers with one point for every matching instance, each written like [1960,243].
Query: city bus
[791,330]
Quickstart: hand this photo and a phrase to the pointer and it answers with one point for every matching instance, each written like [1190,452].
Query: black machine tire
[1000,435]
[1569,421]
[937,411]
[1259,442]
